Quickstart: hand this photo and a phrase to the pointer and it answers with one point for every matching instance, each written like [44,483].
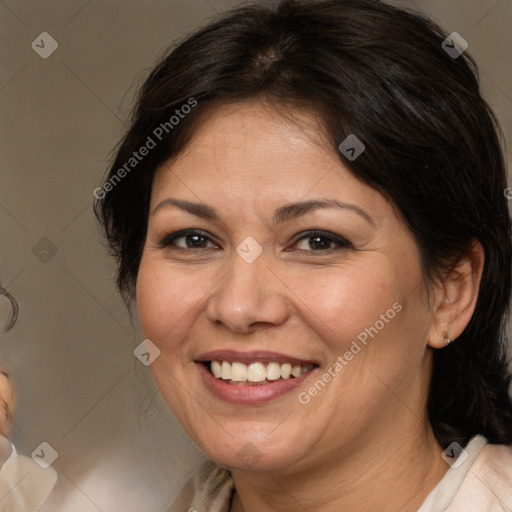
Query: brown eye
[322,241]
[192,239]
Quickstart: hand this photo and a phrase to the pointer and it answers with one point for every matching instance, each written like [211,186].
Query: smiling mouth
[257,373]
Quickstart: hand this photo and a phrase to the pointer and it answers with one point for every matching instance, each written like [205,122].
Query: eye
[322,241]
[191,239]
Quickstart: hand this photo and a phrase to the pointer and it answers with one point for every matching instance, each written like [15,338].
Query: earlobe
[456,297]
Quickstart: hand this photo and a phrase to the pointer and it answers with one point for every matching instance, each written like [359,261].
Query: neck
[385,475]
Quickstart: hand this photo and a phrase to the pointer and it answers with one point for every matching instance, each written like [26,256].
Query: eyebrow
[282,214]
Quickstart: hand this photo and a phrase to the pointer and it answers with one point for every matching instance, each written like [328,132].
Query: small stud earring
[447,340]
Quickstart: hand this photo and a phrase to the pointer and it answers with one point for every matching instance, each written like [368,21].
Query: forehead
[229,133]
[252,140]
[250,151]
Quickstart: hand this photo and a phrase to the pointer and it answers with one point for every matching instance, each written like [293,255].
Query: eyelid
[167,240]
[323,233]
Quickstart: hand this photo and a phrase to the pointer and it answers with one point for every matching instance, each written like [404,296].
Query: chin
[250,460]
[248,453]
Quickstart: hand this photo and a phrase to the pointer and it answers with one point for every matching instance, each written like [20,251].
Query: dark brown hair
[432,147]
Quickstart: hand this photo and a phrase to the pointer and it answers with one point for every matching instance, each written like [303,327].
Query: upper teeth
[256,372]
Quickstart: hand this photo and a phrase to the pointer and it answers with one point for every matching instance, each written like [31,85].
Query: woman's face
[254,283]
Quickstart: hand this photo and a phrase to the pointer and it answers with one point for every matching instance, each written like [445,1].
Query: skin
[6,414]
[7,403]
[365,438]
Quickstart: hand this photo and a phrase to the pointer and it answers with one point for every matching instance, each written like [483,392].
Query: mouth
[253,377]
[256,373]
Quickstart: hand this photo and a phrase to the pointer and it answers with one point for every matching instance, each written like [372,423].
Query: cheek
[163,300]
[342,303]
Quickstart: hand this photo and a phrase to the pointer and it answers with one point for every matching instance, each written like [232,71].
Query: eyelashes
[168,240]
[201,240]
[316,235]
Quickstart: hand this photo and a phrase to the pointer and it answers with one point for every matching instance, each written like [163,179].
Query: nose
[250,294]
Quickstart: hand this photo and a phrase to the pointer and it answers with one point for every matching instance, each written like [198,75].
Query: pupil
[318,245]
[198,241]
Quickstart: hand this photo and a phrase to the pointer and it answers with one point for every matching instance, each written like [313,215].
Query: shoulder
[488,484]
[209,488]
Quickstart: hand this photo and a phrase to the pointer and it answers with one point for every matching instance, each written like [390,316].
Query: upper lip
[262,356]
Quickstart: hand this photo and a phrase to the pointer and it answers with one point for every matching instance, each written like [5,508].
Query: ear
[456,297]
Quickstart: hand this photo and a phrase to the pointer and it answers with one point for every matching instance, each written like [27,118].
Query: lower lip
[250,394]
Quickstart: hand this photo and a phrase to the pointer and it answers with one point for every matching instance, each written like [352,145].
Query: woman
[8,317]
[24,485]
[308,208]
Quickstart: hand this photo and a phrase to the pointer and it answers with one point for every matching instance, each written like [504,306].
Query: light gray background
[71,354]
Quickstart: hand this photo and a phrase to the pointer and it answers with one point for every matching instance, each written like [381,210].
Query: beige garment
[482,483]
[209,489]
[488,484]
[24,485]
